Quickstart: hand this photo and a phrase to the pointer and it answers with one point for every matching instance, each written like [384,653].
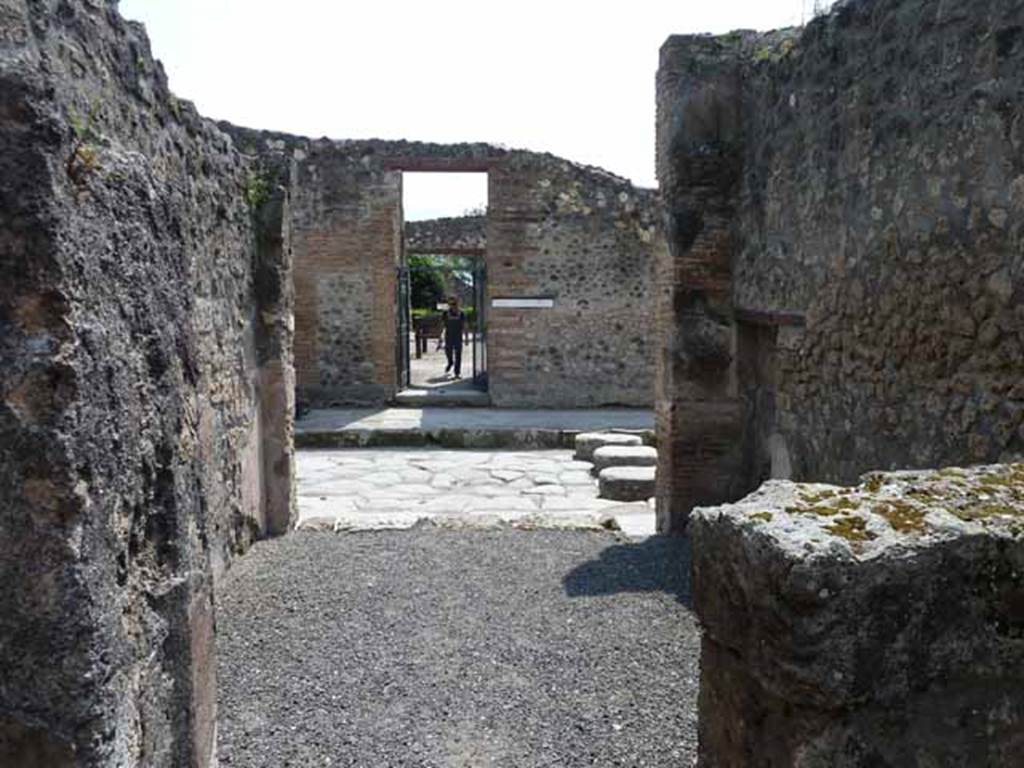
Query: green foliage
[775,53]
[84,160]
[430,277]
[257,190]
[426,288]
[420,312]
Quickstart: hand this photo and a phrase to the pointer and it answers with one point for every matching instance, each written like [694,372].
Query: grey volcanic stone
[145,350]
[442,235]
[876,625]
[627,483]
[625,456]
[588,442]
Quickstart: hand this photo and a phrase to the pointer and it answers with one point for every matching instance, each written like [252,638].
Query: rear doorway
[442,289]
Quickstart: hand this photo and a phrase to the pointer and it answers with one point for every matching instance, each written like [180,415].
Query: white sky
[571,77]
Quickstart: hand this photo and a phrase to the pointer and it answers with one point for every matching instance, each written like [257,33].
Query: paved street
[366,489]
[436,648]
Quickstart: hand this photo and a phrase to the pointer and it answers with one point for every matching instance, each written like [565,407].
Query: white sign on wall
[523,303]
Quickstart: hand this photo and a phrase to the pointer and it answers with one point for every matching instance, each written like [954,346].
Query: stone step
[626,483]
[588,442]
[447,427]
[624,456]
[463,398]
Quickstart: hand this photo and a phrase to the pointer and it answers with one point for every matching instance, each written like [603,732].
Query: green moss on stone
[814,498]
[825,508]
[874,484]
[853,529]
[766,516]
[903,517]
[986,511]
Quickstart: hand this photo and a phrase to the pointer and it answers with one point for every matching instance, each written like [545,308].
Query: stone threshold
[464,427]
[441,397]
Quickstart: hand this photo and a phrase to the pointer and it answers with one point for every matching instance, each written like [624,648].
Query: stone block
[625,456]
[626,483]
[881,624]
[588,442]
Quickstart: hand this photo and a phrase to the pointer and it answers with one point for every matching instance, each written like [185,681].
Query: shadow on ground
[656,564]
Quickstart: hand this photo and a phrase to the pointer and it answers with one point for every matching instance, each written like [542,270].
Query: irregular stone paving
[435,648]
[371,489]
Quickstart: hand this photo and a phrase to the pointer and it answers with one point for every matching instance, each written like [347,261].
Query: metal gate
[480,329]
[406,326]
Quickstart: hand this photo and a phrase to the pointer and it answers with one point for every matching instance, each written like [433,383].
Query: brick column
[699,145]
[275,296]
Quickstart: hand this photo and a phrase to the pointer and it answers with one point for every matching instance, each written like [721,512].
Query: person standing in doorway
[454,327]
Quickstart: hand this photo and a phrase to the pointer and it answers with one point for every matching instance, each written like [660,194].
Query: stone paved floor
[367,489]
[458,649]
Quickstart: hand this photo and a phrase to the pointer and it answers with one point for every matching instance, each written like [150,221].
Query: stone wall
[588,240]
[876,625]
[456,234]
[347,238]
[145,392]
[888,208]
[554,229]
[872,231]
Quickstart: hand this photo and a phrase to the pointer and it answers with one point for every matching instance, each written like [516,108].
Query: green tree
[426,283]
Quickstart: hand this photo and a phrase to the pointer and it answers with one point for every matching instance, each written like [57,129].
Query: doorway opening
[442,295]
[442,290]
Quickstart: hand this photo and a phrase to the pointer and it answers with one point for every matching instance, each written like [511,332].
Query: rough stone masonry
[847,293]
[872,625]
[146,392]
[845,210]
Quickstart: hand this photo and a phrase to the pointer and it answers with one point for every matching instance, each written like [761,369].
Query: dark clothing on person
[454,325]
[454,355]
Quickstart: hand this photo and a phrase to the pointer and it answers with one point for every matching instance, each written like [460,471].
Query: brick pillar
[512,208]
[275,295]
[699,146]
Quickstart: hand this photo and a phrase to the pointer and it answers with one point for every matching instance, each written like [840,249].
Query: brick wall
[347,243]
[588,241]
[578,235]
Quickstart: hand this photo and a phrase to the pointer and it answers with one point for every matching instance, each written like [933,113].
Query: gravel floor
[443,648]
